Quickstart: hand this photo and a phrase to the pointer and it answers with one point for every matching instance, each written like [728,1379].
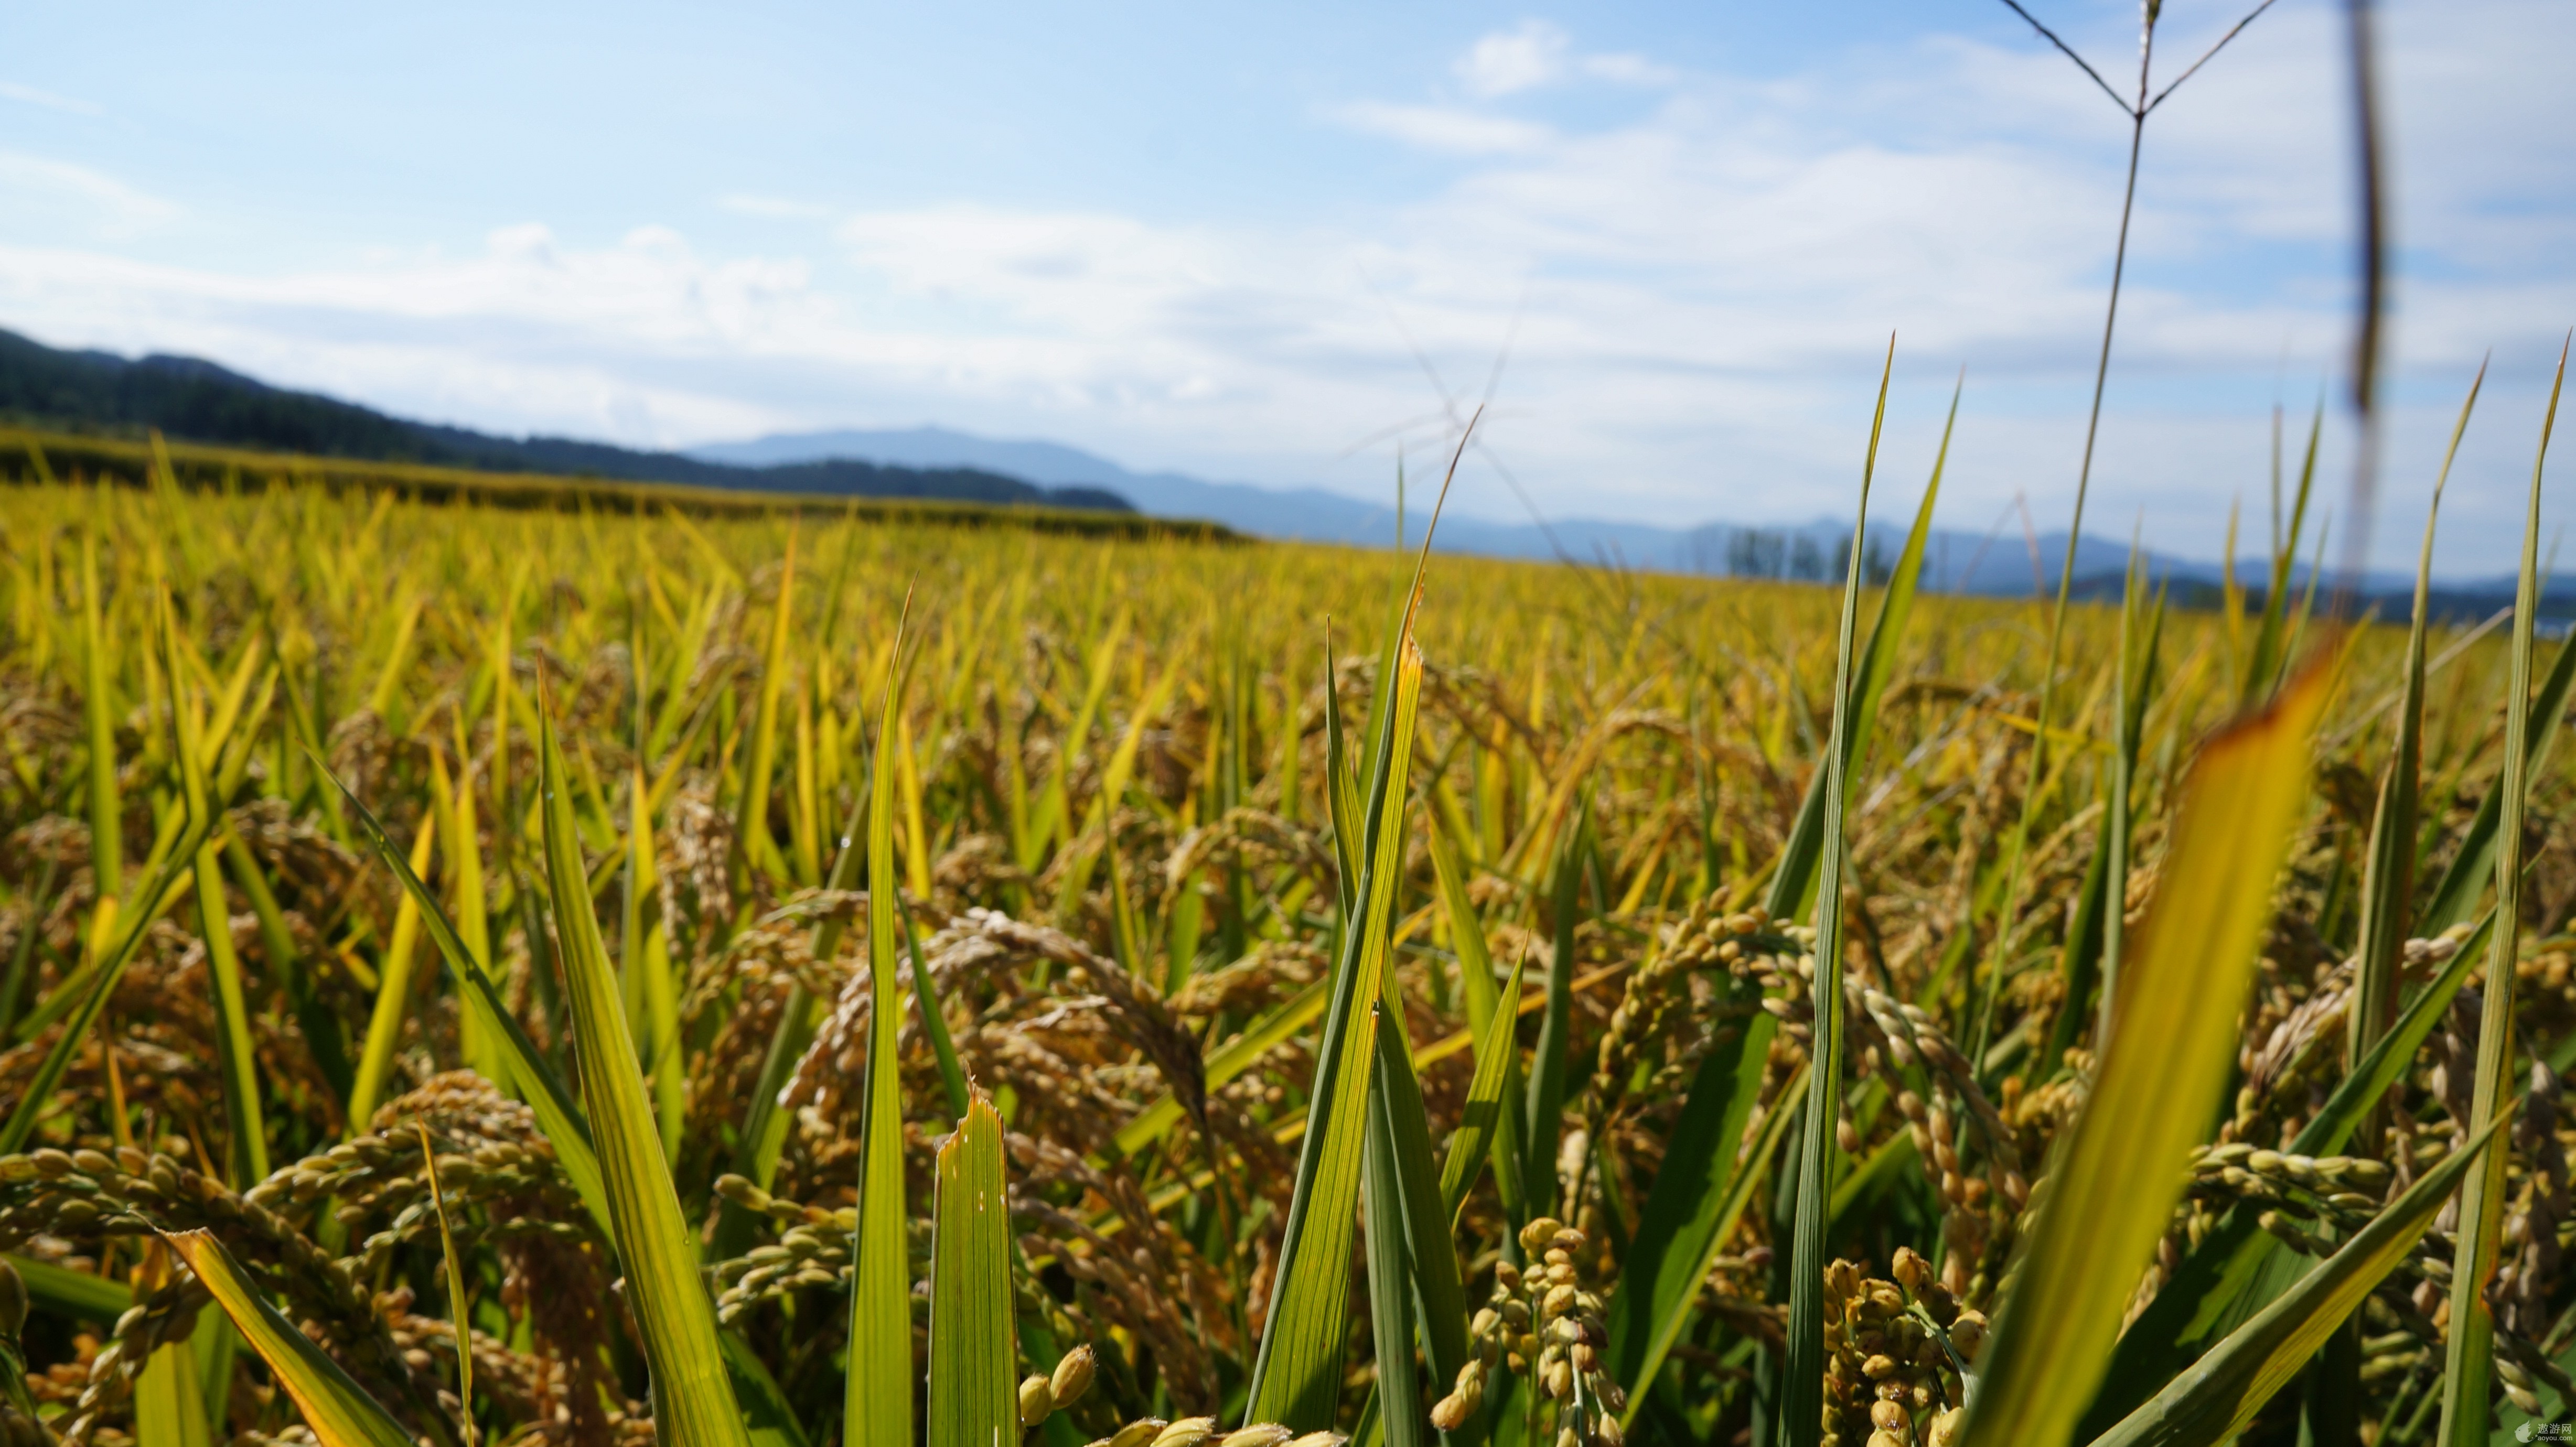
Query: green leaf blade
[974,1400]
[692,1395]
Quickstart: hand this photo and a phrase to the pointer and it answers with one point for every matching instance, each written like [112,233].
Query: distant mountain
[1999,563]
[199,401]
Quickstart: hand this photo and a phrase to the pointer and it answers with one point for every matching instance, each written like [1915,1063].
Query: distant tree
[1753,553]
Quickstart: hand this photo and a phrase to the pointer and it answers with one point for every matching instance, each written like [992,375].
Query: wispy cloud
[1535,54]
[1453,130]
[29,95]
[107,208]
[1531,55]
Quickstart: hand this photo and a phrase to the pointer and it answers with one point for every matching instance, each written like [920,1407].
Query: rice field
[582,976]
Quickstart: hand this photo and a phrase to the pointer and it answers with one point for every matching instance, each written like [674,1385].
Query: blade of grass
[751,810]
[1544,1102]
[2388,878]
[1498,1052]
[2090,960]
[1803,1359]
[169,1410]
[2470,1341]
[91,995]
[393,992]
[246,1150]
[1692,1206]
[334,1406]
[1430,1252]
[2112,1194]
[458,1302]
[2211,1289]
[2219,1395]
[106,800]
[1402,1414]
[1484,1116]
[974,1357]
[73,1295]
[934,1023]
[1793,882]
[693,1398]
[1297,1375]
[764,1126]
[321,1026]
[876,1408]
[2472,868]
[532,1077]
[2264,661]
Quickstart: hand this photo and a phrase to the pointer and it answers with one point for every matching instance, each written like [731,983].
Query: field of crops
[786,980]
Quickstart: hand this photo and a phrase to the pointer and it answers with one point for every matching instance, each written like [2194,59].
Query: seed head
[1138,1432]
[1072,1377]
[1036,1401]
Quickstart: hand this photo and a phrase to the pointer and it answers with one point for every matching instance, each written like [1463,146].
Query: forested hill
[198,401]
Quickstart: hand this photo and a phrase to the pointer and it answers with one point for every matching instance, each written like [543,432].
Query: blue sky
[1232,240]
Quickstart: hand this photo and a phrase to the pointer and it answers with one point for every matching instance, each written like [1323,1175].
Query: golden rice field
[882,981]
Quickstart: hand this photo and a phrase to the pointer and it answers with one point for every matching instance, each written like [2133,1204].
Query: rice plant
[602,976]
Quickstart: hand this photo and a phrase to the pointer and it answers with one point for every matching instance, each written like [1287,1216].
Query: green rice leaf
[532,1077]
[1793,882]
[2471,1337]
[974,1359]
[457,1301]
[1296,1378]
[1544,1101]
[2388,878]
[76,1295]
[338,1410]
[2264,663]
[1695,1202]
[2217,1284]
[1497,1052]
[876,1405]
[693,1398]
[2472,867]
[80,999]
[1803,1372]
[2173,1042]
[2219,1395]
[169,1410]
[1405,1420]
[1439,1295]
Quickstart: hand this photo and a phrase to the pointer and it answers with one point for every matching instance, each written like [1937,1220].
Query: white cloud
[105,207]
[1449,129]
[29,95]
[1532,55]
[1626,69]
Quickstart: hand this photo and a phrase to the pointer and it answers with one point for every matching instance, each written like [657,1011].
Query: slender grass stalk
[2470,1344]
[876,1408]
[1803,1369]
[2138,110]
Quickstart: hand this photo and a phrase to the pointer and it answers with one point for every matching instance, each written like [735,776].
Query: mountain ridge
[203,401]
